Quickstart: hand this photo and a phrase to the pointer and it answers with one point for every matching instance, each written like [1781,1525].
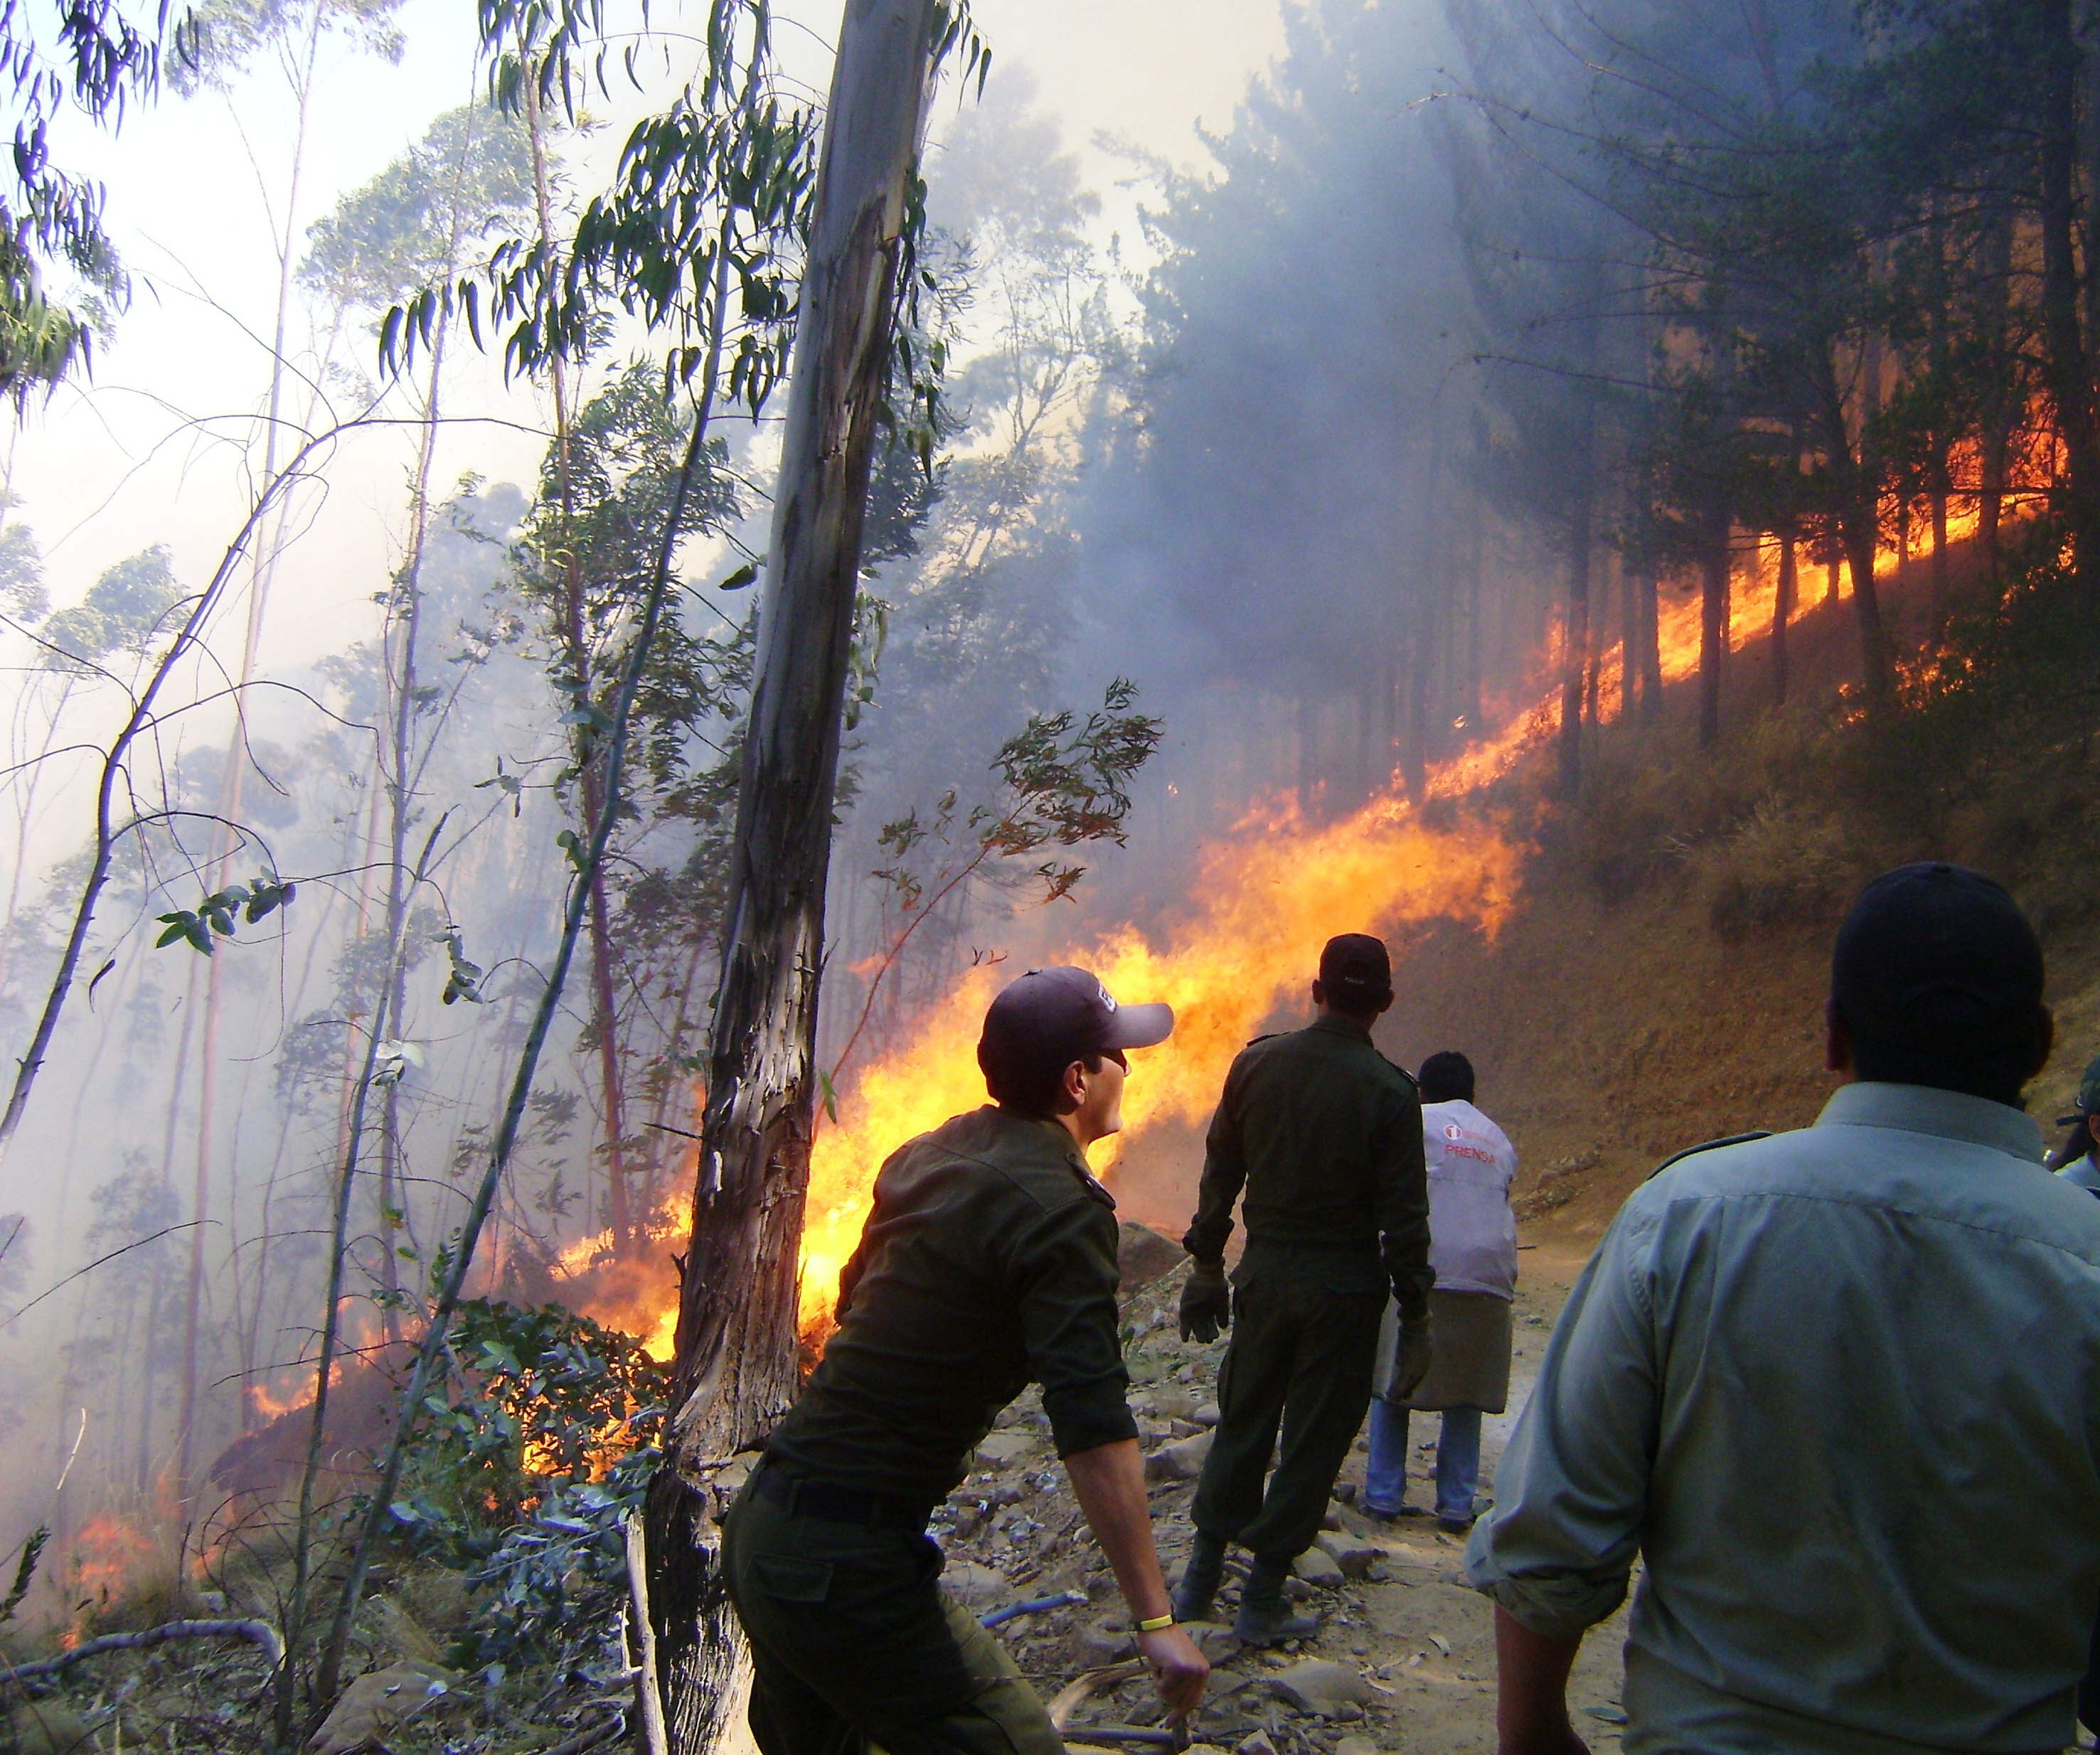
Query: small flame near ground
[108,1556]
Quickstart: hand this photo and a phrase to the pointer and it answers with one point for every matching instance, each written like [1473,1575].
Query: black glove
[1206,1302]
[1416,1353]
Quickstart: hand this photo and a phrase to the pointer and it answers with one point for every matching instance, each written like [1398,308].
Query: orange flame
[107,1552]
[1266,900]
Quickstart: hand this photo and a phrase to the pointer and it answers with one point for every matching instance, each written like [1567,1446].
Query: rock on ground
[1144,1255]
[1394,1607]
[1181,1461]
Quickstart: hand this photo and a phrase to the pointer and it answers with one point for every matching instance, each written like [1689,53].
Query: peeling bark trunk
[736,1343]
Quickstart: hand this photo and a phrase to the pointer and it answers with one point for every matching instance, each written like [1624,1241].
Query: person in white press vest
[1472,1246]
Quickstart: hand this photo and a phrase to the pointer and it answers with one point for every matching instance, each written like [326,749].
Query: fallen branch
[261,1632]
[603,1731]
[1062,1599]
[655,1739]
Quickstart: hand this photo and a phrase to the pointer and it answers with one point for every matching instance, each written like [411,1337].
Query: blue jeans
[1458,1460]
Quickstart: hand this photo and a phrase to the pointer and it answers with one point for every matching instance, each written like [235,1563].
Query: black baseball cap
[1064,1014]
[1355,971]
[1938,975]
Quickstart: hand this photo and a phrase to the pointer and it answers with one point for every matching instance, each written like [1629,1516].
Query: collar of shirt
[1922,1108]
[1342,1026]
[2083,1172]
[1031,1134]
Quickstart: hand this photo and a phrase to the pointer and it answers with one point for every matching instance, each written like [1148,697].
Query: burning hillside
[1261,901]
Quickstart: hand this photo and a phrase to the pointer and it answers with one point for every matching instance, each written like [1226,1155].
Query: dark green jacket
[989,1260]
[1325,1135]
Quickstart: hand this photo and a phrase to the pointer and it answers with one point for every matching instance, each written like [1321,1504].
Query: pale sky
[145,453]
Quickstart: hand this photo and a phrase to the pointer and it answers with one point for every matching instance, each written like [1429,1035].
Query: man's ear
[1075,1084]
[1320,995]
[2045,1040]
[1837,1039]
[1384,1006]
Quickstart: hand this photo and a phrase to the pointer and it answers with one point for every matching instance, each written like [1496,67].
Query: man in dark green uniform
[989,1259]
[1325,1135]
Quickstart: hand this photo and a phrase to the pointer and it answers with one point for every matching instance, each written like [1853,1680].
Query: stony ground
[1405,1652]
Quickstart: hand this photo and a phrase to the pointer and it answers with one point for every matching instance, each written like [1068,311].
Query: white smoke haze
[199,1103]
[1220,428]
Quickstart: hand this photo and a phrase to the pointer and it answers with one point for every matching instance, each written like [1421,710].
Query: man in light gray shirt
[1839,1389]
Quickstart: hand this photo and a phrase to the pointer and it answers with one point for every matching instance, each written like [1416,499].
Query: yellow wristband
[1157,1624]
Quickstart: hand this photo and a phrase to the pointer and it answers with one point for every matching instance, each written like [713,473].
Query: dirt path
[1417,1644]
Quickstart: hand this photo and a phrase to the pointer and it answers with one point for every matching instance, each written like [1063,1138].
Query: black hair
[1937,978]
[1446,1077]
[1034,1086]
[1994,1058]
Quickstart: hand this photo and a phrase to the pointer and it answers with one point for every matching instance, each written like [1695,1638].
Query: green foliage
[216,916]
[531,1457]
[92,55]
[25,1571]
[121,612]
[1064,783]
[470,176]
[22,593]
[712,194]
[225,36]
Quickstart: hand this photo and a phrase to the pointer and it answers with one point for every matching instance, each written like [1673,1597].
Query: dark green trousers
[852,1643]
[1305,1329]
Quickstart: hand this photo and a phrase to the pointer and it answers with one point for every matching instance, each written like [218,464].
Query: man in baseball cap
[1323,1135]
[2077,1159]
[989,1261]
[1835,1389]
[1044,1023]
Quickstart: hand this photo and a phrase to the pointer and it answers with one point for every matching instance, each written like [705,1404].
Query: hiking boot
[1264,1618]
[1199,1579]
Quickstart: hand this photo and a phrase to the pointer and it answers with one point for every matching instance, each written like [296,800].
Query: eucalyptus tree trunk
[736,1343]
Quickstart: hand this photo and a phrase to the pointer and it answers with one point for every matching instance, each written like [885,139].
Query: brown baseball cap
[1064,1014]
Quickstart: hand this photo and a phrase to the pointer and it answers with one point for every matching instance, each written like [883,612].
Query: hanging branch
[141,719]
[1063,788]
[376,1042]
